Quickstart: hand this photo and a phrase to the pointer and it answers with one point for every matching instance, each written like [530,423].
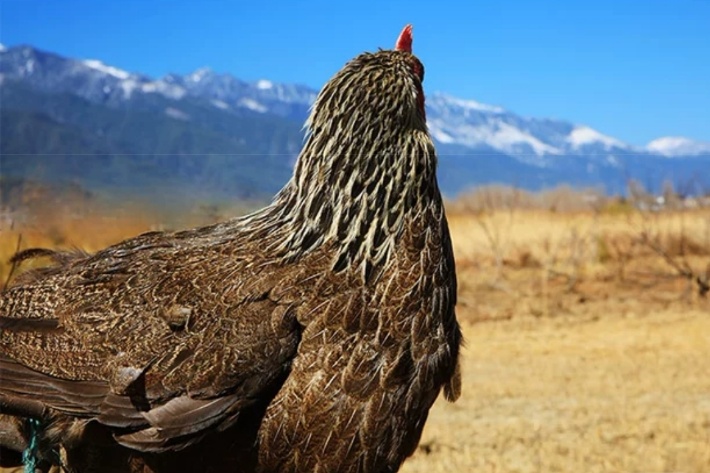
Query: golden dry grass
[615,394]
[585,351]
[573,363]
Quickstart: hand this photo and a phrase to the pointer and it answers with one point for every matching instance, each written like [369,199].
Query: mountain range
[215,136]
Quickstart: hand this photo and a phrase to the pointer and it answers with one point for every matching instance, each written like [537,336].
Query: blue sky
[632,69]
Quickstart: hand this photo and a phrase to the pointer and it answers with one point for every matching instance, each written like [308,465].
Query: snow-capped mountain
[479,126]
[673,146]
[477,142]
[226,91]
[97,82]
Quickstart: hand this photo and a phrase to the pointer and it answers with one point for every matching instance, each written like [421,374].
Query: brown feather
[312,335]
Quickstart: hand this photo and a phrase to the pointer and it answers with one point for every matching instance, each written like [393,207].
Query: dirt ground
[618,393]
[585,349]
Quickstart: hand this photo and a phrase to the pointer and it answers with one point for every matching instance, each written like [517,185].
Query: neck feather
[357,203]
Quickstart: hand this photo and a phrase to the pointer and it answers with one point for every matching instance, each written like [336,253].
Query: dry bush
[617,250]
[539,259]
[567,199]
[557,199]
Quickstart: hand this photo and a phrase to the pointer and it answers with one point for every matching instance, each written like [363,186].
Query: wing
[158,338]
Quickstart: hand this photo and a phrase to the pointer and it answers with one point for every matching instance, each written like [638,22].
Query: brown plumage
[311,336]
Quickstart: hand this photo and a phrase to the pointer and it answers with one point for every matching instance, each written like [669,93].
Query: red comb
[404,42]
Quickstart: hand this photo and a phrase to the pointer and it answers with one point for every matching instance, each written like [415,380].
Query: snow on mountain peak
[264,84]
[678,146]
[472,124]
[440,135]
[100,66]
[221,104]
[508,138]
[442,98]
[583,135]
[164,88]
[252,104]
[475,125]
[199,74]
[497,134]
[2,48]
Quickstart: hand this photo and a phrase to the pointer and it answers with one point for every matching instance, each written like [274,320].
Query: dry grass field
[585,351]
[587,338]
